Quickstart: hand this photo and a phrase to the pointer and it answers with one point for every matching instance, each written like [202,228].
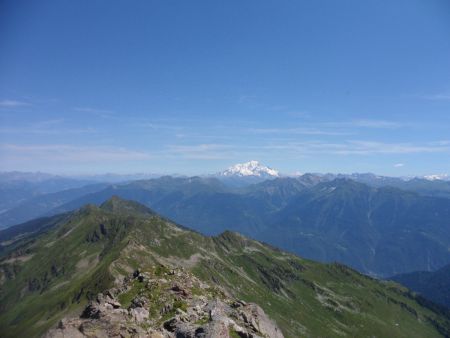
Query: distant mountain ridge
[40,205]
[349,218]
[338,220]
[433,285]
[18,187]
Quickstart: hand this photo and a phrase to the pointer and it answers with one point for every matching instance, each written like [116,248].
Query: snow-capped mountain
[251,168]
[435,177]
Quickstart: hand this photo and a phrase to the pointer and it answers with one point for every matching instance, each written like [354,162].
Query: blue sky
[195,86]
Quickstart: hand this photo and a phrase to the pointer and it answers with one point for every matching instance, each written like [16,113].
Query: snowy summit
[252,168]
[435,177]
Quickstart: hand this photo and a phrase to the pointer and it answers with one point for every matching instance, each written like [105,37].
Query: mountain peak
[251,168]
[118,205]
[437,177]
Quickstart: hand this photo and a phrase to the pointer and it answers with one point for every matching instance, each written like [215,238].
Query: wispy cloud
[299,131]
[25,156]
[243,99]
[299,113]
[30,154]
[202,151]
[329,128]
[159,126]
[376,124]
[366,123]
[68,153]
[373,147]
[288,150]
[46,127]
[13,104]
[441,143]
[104,113]
[357,147]
[438,97]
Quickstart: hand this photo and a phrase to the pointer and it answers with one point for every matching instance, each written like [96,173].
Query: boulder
[139,314]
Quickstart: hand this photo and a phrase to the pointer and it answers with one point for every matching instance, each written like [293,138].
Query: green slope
[52,273]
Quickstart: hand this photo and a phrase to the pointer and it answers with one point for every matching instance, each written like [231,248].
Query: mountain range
[22,187]
[122,270]
[18,187]
[434,285]
[379,226]
[340,220]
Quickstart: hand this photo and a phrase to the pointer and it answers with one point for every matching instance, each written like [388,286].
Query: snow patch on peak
[435,177]
[251,168]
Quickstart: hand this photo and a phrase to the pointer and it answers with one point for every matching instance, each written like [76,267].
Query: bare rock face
[139,314]
[66,328]
[259,321]
[172,304]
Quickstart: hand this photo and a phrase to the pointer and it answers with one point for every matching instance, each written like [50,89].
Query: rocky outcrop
[165,303]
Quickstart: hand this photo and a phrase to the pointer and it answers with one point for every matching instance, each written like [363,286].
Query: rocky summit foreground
[166,303]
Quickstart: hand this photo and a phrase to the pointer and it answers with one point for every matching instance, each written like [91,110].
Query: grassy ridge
[66,268]
[53,273]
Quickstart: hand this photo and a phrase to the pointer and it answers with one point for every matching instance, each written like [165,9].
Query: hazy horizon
[159,174]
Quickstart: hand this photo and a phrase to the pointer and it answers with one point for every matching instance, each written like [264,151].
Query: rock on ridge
[167,303]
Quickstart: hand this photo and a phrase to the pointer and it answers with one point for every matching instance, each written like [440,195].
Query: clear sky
[166,86]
